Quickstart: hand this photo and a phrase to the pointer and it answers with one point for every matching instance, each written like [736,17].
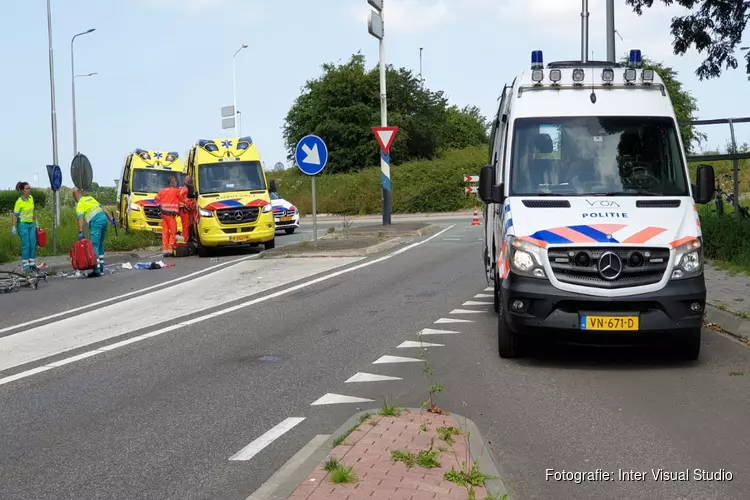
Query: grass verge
[67,234]
[726,240]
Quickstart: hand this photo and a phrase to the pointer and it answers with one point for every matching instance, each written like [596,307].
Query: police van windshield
[616,156]
[231,176]
[146,180]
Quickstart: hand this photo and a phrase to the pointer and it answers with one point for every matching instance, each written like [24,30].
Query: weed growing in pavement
[331,464]
[364,417]
[433,389]
[447,433]
[473,477]
[343,474]
[423,427]
[427,459]
[738,373]
[404,456]
[389,410]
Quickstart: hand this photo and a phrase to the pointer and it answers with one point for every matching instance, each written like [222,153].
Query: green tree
[343,105]
[714,27]
[685,105]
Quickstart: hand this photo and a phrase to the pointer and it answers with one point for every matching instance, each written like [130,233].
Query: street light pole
[234,88]
[611,56]
[56,198]
[73,85]
[421,77]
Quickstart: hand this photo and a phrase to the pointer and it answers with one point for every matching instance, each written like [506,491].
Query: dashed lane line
[413,344]
[466,311]
[453,320]
[476,303]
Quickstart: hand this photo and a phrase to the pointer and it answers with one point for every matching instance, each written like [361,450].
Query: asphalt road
[161,418]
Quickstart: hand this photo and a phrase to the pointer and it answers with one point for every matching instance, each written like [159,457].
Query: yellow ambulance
[232,195]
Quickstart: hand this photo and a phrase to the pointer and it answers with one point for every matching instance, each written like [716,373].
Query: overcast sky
[165,66]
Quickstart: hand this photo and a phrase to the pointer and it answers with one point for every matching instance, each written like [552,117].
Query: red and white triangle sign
[385,137]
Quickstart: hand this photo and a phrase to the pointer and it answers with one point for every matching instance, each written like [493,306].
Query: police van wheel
[496,293]
[508,342]
[289,230]
[270,245]
[689,348]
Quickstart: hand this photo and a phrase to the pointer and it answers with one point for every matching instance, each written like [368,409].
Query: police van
[592,232]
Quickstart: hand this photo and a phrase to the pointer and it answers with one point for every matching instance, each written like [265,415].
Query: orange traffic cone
[475,221]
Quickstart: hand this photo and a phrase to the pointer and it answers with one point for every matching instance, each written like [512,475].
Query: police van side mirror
[488,191]
[272,186]
[705,184]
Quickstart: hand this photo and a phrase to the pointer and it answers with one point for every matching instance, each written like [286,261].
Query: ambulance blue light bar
[537,59]
[635,60]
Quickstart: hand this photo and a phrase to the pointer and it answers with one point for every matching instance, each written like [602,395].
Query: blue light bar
[635,60]
[537,59]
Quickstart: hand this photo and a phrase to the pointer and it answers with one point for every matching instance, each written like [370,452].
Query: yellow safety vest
[88,208]
[24,209]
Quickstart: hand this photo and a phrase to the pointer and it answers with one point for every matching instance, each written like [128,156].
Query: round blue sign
[56,178]
[311,154]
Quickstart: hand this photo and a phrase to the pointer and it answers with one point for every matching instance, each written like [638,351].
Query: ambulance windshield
[231,177]
[577,156]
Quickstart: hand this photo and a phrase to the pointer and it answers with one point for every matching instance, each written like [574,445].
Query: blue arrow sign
[311,154]
[55,178]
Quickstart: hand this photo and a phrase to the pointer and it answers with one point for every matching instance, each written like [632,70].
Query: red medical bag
[82,256]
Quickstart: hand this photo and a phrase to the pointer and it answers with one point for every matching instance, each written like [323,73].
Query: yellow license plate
[239,238]
[610,323]
[286,219]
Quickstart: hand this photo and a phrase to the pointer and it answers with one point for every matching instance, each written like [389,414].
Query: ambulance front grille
[638,266]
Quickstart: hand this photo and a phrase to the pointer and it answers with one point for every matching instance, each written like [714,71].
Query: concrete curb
[285,486]
[729,323]
[358,252]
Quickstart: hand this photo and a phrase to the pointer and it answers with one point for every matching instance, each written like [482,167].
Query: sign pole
[385,159]
[314,211]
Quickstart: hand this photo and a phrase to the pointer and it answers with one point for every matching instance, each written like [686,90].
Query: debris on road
[411,455]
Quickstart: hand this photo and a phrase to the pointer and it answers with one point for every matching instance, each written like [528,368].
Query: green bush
[418,186]
[8,199]
[67,234]
[726,238]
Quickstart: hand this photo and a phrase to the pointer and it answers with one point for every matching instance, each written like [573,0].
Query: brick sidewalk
[373,474]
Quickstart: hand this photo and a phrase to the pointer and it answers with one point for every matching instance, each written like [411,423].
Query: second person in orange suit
[169,200]
[187,207]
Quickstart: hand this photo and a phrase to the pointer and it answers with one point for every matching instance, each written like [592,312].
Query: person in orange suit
[187,207]
[169,200]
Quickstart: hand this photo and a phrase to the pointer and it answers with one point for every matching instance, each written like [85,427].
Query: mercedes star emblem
[610,266]
[238,215]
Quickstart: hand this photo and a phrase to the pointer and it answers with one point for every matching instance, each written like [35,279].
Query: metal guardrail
[734,155]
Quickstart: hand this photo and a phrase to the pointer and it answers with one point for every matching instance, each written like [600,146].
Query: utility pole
[55,158]
[421,77]
[376,28]
[585,31]
[611,56]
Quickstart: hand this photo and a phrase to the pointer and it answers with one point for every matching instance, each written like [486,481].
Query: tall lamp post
[73,85]
[234,87]
[53,114]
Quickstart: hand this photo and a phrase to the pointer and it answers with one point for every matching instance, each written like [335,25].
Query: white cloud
[408,16]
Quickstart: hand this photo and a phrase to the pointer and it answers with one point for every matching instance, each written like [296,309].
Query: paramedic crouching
[90,210]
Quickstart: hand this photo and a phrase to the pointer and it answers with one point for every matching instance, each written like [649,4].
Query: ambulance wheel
[202,251]
[496,293]
[270,245]
[289,230]
[508,341]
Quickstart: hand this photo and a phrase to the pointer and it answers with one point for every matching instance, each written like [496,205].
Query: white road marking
[224,311]
[453,320]
[288,469]
[395,359]
[452,239]
[269,437]
[125,295]
[476,303]
[413,344]
[370,377]
[432,331]
[334,399]
[239,282]
[466,311]
[489,289]
[484,296]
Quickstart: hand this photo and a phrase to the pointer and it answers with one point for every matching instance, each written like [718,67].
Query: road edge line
[219,312]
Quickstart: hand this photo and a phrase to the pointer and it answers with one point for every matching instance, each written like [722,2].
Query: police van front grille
[242,215]
[152,212]
[639,266]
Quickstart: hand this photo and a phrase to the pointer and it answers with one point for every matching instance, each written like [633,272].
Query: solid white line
[227,310]
[288,469]
[123,296]
[269,437]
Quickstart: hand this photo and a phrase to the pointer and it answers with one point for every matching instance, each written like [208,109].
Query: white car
[285,214]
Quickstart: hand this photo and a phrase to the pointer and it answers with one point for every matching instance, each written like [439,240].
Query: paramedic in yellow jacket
[91,211]
[24,223]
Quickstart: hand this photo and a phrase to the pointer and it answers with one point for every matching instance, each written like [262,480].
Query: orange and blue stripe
[146,203]
[584,233]
[234,203]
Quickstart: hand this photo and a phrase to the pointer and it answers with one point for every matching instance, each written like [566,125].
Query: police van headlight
[205,213]
[135,207]
[266,208]
[526,258]
[689,260]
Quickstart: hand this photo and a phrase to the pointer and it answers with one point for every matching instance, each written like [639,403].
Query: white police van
[592,230]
